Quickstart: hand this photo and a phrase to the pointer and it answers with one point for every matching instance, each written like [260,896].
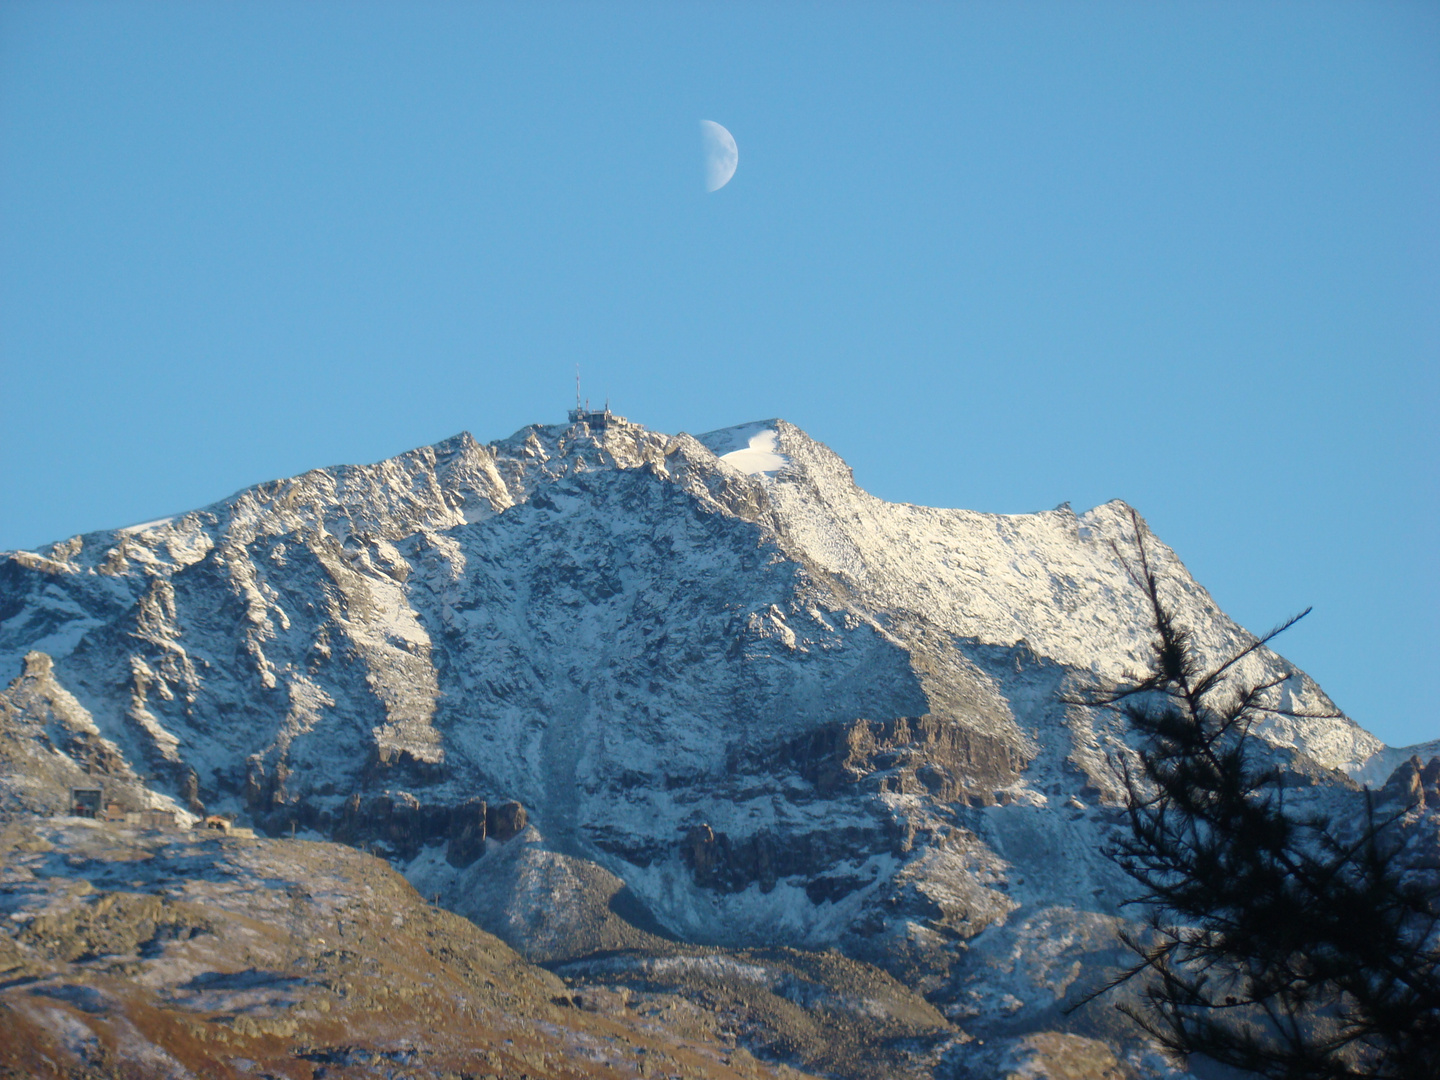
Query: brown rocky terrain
[132,953]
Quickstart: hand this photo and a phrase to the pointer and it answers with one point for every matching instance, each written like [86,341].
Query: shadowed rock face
[466,841]
[505,821]
[1413,784]
[852,762]
[732,864]
[400,826]
[756,707]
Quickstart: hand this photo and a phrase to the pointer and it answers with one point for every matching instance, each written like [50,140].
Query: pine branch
[1284,944]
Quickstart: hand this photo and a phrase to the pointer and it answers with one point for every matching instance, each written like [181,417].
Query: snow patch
[146,526]
[760,456]
[752,448]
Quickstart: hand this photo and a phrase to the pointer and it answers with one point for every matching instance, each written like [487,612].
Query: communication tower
[597,419]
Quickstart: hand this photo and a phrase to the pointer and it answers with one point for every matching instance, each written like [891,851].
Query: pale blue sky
[997,256]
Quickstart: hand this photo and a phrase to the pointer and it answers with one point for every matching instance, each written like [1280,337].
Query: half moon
[721,155]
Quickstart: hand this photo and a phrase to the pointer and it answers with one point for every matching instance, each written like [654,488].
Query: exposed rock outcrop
[400,826]
[1413,785]
[731,864]
[468,825]
[928,755]
[505,820]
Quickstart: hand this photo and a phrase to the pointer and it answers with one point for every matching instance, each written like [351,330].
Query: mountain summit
[599,688]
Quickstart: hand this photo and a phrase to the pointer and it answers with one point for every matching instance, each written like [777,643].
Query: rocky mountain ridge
[588,683]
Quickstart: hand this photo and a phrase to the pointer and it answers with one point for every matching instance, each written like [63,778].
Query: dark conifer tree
[1284,943]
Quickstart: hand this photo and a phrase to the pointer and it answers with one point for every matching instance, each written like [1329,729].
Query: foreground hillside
[158,954]
[677,715]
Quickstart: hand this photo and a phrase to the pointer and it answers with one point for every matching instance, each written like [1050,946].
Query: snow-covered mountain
[740,700]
